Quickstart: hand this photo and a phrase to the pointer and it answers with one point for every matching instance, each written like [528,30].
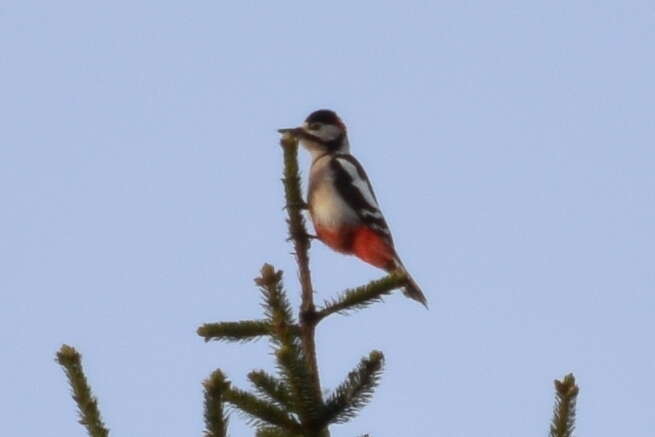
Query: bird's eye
[314,126]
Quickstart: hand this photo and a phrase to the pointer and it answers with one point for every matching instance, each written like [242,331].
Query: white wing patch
[358,182]
[375,214]
[380,228]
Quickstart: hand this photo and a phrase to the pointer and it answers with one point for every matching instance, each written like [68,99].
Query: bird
[341,202]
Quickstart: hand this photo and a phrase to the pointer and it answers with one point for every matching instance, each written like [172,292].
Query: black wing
[355,188]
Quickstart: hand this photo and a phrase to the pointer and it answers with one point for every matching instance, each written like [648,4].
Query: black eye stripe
[331,145]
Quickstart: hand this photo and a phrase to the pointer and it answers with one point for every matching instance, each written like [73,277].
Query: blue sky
[510,144]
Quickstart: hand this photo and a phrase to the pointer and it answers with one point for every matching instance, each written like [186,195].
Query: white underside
[327,207]
[329,210]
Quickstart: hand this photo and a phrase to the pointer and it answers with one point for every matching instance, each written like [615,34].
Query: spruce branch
[260,411]
[301,242]
[242,331]
[272,431]
[272,387]
[215,418]
[566,394]
[296,222]
[361,297]
[294,371]
[71,360]
[277,308]
[289,353]
[355,392]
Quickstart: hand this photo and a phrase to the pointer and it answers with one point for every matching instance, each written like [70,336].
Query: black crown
[323,116]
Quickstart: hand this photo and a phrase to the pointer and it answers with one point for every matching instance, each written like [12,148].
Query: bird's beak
[295,131]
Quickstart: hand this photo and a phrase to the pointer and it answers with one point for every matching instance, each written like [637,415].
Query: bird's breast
[328,209]
[326,206]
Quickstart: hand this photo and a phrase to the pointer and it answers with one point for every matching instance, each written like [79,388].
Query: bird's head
[322,132]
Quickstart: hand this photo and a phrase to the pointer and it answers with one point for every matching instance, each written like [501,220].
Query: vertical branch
[71,361]
[296,222]
[215,418]
[566,394]
[300,238]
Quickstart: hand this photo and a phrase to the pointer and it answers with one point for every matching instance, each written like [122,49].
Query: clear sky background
[511,145]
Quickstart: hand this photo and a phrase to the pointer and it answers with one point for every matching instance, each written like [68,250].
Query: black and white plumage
[342,204]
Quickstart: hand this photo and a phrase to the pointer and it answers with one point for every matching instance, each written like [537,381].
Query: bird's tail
[412,290]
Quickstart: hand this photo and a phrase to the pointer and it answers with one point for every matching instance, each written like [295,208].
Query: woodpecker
[341,201]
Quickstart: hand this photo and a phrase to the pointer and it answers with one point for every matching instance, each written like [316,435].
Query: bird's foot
[306,235]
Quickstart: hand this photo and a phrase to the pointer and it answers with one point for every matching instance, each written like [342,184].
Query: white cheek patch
[328,132]
[358,182]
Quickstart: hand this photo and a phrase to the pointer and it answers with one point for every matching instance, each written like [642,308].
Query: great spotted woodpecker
[341,202]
